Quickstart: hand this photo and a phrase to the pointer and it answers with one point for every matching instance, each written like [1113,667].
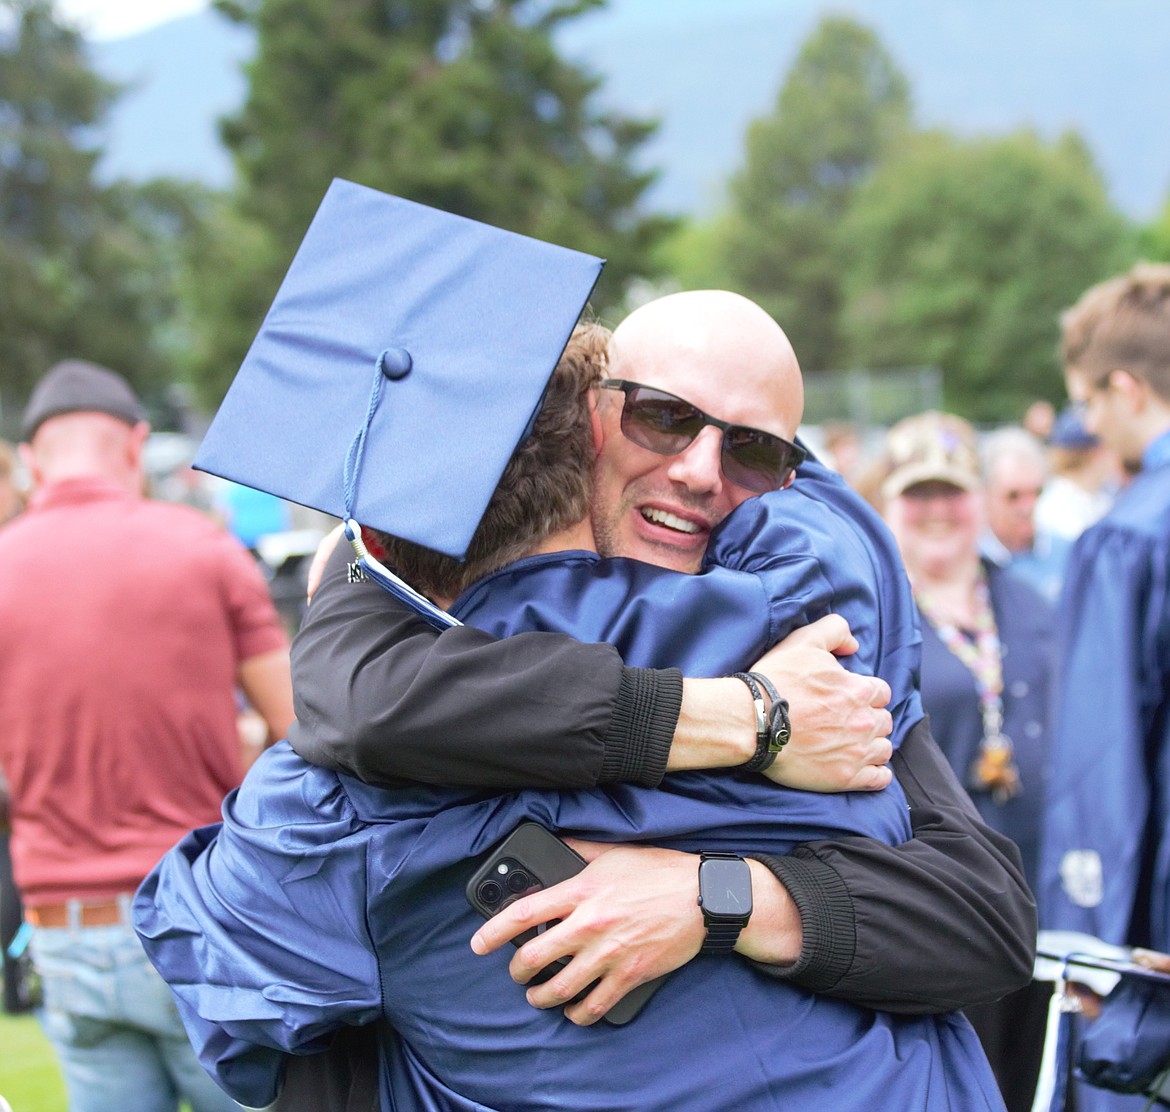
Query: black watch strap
[721,938]
[723,930]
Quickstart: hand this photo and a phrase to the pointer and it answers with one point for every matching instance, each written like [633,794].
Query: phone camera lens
[490,893]
[518,881]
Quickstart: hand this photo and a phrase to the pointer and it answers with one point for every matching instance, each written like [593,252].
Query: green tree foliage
[1154,241]
[460,104]
[962,255]
[693,258]
[79,262]
[231,268]
[842,108]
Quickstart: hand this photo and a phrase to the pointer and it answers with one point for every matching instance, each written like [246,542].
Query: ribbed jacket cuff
[641,729]
[827,919]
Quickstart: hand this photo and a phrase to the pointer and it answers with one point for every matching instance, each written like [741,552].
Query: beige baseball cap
[931,447]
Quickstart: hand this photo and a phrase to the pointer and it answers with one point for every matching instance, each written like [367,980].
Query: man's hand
[840,727]
[631,915]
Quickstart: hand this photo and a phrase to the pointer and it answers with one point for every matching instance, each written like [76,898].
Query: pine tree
[460,104]
[843,106]
[76,264]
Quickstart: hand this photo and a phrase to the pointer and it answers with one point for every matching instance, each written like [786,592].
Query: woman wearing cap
[987,663]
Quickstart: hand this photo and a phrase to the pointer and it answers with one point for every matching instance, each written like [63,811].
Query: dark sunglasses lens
[757,460]
[659,422]
[662,423]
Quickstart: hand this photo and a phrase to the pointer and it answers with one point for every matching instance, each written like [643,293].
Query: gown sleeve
[1104,839]
[251,924]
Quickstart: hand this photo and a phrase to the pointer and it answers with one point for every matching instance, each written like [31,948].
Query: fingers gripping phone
[530,859]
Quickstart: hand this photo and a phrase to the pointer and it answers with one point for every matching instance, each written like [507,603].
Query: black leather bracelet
[763,755]
[779,725]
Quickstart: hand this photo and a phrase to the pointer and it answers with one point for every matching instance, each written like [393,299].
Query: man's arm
[259,638]
[267,685]
[225,916]
[374,688]
[963,928]
[940,922]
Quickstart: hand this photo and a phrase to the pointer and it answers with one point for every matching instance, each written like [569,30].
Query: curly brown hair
[545,487]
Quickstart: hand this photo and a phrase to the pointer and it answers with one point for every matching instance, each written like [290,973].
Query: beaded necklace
[994,769]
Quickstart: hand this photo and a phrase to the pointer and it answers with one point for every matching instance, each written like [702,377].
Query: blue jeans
[114,1026]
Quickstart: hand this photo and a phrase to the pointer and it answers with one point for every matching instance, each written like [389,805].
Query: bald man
[725,355]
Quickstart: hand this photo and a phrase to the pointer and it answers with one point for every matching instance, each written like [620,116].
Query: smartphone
[530,859]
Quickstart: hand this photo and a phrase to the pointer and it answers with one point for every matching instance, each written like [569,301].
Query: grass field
[29,1079]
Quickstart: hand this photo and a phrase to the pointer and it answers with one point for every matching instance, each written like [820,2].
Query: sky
[112,19]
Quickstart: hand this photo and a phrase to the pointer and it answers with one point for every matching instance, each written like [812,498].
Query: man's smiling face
[723,354]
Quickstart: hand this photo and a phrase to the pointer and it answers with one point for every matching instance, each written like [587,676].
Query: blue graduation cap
[402,362]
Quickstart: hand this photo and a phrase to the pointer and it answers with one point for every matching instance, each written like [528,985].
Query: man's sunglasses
[663,423]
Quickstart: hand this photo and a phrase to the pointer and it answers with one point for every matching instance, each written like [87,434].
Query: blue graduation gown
[1105,863]
[1106,825]
[323,901]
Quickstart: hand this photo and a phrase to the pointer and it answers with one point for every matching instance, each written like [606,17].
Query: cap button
[395,363]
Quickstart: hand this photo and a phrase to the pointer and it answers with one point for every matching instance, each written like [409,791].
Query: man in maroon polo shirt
[126,626]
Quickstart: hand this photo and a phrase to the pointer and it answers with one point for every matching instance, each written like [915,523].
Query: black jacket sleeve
[374,687]
[941,922]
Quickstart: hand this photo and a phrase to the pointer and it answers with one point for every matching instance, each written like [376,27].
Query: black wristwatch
[725,895]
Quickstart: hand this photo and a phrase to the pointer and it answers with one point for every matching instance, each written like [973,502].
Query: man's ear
[135,469]
[595,423]
[28,457]
[1133,388]
[136,442]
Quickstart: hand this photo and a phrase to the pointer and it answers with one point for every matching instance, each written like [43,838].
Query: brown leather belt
[81,913]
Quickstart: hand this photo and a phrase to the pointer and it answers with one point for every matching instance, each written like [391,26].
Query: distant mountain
[706,68]
[180,78]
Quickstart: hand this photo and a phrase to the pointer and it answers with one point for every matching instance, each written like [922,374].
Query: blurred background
[914,188]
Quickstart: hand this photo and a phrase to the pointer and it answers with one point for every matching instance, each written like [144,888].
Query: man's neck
[575,537]
[86,470]
[1157,425]
[1156,448]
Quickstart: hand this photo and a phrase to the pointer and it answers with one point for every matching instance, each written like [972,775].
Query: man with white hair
[1015,470]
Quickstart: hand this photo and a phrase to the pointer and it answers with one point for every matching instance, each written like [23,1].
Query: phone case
[530,859]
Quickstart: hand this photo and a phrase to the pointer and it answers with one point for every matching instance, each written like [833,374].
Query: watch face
[725,887]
